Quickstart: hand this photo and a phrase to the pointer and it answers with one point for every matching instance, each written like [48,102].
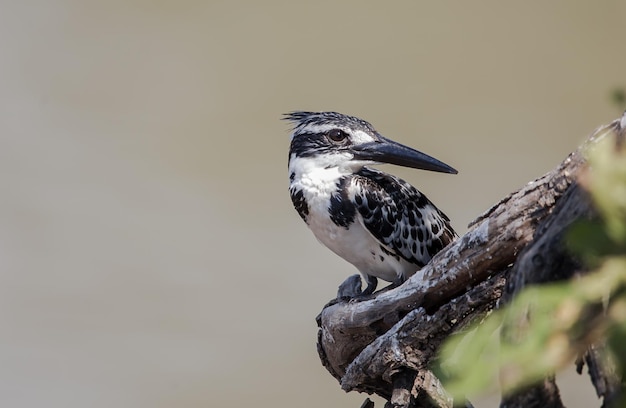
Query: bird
[376,221]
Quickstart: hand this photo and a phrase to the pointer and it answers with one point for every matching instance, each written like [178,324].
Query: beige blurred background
[149,254]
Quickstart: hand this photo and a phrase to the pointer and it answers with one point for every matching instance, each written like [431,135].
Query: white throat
[323,168]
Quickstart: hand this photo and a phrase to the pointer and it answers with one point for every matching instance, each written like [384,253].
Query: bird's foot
[397,282]
[350,289]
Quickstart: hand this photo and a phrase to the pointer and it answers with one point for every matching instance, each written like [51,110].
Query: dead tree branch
[384,344]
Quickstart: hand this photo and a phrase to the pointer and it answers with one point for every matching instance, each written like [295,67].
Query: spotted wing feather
[401,217]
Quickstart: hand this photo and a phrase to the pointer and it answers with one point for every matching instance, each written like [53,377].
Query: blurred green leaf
[618,97]
[607,185]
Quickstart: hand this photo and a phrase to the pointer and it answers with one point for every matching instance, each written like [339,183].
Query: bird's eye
[337,135]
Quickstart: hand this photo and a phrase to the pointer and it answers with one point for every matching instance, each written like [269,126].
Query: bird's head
[331,139]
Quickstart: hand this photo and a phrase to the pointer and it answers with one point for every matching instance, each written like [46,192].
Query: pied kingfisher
[377,222]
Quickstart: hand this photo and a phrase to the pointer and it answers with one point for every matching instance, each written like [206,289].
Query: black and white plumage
[377,222]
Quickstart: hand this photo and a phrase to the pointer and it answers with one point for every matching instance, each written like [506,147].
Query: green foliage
[544,328]
[618,97]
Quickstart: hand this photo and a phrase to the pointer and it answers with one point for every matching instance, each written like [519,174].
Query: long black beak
[387,151]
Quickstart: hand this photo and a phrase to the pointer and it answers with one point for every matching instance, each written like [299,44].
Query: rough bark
[603,375]
[545,394]
[384,344]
